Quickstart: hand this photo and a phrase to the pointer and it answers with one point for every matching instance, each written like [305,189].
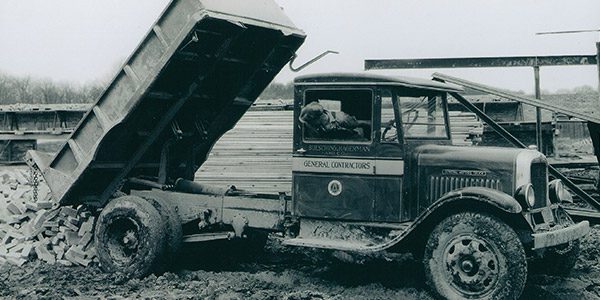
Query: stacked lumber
[41,230]
[464,126]
[256,155]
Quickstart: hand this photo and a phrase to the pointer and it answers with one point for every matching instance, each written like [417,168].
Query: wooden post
[538,111]
[598,63]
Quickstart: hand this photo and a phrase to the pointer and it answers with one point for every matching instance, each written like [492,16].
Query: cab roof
[374,79]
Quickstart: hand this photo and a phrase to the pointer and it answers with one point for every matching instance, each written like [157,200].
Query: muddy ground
[276,273]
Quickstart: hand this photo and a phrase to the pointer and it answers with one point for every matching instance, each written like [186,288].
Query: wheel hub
[471,265]
[130,240]
[467,266]
[124,240]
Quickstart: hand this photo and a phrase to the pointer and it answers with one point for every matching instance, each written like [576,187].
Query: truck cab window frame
[389,118]
[337,115]
[424,117]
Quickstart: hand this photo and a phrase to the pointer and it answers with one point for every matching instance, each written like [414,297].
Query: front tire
[475,256]
[129,237]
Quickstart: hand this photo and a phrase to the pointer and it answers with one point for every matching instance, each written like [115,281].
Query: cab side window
[337,115]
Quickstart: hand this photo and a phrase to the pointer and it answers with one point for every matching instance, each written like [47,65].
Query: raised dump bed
[196,72]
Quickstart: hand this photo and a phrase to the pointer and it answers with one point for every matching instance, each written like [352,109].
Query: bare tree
[22,88]
[70,94]
[584,89]
[91,92]
[7,95]
[47,90]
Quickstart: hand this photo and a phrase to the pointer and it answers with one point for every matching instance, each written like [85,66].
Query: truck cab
[352,151]
[374,169]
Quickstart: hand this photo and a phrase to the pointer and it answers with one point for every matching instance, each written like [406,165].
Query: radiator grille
[439,185]
[539,173]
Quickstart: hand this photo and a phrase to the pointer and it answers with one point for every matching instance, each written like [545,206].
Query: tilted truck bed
[196,72]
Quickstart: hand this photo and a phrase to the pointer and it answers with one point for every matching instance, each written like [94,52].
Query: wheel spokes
[472,265]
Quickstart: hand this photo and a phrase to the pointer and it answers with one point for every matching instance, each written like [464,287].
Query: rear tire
[129,237]
[475,256]
[171,223]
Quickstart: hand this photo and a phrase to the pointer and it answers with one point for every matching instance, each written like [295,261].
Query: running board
[347,235]
[354,246]
[205,237]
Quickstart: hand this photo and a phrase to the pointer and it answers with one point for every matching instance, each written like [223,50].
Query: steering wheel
[390,124]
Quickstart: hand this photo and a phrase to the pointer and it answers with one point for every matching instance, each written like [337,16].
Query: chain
[34,181]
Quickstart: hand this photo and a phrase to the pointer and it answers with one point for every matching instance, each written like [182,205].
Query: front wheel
[475,256]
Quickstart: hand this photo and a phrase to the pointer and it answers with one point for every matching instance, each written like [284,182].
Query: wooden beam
[581,214]
[538,111]
[515,97]
[481,62]
[598,64]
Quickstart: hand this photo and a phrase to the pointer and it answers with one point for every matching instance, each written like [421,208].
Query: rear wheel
[129,236]
[171,223]
[475,256]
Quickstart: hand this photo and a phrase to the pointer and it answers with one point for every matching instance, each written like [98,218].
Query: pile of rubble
[34,227]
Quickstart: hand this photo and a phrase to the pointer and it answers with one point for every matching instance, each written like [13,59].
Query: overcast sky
[85,40]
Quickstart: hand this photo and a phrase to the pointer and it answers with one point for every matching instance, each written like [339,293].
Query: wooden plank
[480,62]
[580,215]
[515,97]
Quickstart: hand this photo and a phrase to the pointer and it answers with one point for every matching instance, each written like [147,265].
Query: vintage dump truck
[373,165]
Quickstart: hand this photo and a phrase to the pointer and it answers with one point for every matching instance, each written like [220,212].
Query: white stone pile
[31,229]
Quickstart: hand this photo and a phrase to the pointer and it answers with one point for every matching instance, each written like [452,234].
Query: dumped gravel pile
[32,227]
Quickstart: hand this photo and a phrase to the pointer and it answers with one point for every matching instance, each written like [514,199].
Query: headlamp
[526,195]
[558,193]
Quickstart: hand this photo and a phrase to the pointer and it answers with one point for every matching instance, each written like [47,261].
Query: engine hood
[473,157]
[441,169]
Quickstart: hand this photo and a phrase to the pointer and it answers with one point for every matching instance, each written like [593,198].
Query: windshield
[423,117]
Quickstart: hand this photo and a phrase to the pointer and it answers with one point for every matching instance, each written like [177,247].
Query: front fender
[469,195]
[484,195]
[493,197]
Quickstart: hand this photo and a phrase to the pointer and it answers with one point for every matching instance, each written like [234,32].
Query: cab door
[333,163]
[389,161]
